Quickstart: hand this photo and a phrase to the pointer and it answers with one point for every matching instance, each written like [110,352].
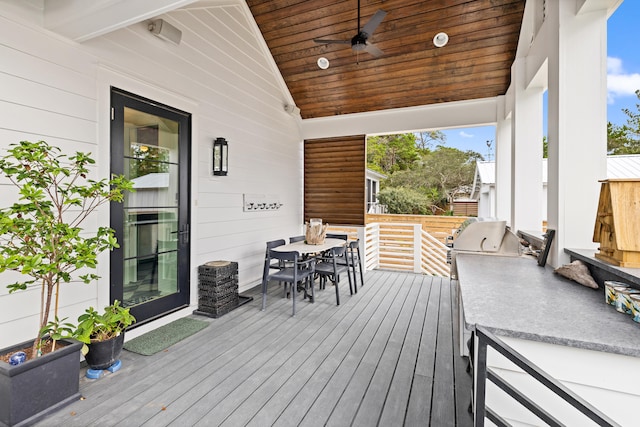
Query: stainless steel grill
[486,236]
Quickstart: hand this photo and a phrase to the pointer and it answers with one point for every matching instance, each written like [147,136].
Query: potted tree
[103,334]
[41,236]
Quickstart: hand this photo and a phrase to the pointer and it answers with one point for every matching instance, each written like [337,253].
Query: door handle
[184,234]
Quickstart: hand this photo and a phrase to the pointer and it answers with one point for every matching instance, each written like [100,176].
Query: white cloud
[614,65]
[619,82]
[466,135]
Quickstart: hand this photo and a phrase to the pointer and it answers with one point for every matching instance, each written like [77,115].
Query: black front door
[150,145]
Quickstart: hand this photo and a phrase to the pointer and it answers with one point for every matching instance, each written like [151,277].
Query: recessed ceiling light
[440,39]
[323,63]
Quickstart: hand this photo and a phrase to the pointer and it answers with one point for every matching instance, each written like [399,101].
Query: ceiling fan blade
[373,50]
[322,41]
[373,23]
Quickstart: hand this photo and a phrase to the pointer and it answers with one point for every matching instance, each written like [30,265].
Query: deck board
[376,393]
[385,356]
[397,402]
[443,401]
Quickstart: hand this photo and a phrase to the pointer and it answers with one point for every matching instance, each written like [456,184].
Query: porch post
[577,121]
[526,155]
[502,163]
[362,236]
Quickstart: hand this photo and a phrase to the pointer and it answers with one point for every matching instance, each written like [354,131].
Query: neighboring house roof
[376,176]
[625,166]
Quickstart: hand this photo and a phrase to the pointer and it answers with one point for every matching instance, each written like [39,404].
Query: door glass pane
[151,212]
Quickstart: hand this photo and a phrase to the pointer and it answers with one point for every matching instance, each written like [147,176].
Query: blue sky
[623,69]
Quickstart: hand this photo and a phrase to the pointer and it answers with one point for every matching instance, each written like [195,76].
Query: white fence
[400,246]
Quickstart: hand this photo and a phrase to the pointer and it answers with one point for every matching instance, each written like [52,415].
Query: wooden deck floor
[384,357]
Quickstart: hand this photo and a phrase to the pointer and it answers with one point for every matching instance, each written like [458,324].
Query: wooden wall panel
[475,64]
[334,180]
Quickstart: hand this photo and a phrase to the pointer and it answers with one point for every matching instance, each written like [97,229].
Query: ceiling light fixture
[164,30]
[323,63]
[440,39]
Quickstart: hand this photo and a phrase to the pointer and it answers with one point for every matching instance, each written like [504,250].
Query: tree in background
[391,153]
[625,139]
[420,180]
[427,140]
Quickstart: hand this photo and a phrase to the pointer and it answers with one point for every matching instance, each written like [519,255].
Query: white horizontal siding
[58,90]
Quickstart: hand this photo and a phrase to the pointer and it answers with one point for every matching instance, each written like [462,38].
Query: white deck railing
[401,247]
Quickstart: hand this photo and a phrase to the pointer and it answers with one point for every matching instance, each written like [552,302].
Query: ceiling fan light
[359,46]
[440,39]
[323,63]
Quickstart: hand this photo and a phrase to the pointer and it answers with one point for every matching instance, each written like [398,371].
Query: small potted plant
[103,334]
[41,236]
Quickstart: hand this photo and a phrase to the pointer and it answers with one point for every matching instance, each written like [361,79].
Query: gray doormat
[165,336]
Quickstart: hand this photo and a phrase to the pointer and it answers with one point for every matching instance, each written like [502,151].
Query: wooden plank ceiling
[476,62]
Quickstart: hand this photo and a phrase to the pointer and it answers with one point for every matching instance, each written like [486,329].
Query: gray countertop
[513,296]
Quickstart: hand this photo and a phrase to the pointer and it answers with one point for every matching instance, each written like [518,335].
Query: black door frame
[159,307]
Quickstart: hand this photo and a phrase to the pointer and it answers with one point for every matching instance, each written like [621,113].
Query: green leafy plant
[58,329]
[93,326]
[41,234]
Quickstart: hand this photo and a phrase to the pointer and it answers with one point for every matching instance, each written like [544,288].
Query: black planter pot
[38,387]
[103,354]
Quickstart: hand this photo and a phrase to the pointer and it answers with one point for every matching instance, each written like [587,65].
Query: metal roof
[624,166]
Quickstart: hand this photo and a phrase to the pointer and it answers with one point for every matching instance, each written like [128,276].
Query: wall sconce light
[164,30]
[220,157]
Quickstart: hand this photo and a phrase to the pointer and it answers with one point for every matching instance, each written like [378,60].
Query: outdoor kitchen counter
[514,297]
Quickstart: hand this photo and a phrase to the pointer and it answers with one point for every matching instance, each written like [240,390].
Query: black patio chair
[328,268]
[296,239]
[299,271]
[337,236]
[270,245]
[353,260]
[275,264]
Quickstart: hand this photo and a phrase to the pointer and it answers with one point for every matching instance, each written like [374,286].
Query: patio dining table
[307,249]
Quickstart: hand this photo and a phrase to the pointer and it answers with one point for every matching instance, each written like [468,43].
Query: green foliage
[58,329]
[41,234]
[401,200]
[420,180]
[625,139]
[450,170]
[93,326]
[149,159]
[390,153]
[428,139]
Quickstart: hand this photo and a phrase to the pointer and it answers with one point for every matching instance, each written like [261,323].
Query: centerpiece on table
[315,231]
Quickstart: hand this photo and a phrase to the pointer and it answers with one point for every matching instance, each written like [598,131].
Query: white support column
[502,163]
[577,123]
[526,155]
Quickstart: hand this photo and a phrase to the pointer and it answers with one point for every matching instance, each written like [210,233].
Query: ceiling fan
[359,41]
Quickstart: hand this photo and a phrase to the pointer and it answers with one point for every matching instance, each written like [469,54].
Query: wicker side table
[217,288]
